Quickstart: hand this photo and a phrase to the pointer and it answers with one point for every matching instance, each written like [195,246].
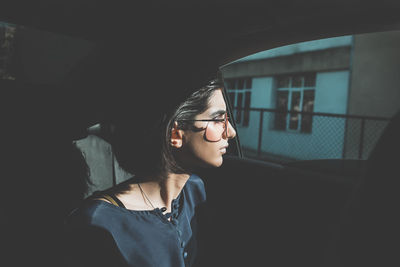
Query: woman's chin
[217,162]
[206,162]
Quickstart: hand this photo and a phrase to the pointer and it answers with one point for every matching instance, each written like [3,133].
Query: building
[344,90]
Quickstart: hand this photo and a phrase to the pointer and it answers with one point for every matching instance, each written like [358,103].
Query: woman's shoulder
[101,201]
[92,211]
[195,181]
[196,189]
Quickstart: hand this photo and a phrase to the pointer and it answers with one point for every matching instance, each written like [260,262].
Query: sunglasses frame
[226,120]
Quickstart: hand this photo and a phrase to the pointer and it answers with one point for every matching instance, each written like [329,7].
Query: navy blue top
[137,238]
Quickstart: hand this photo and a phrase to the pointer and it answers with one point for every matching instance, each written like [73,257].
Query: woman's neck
[162,193]
[171,187]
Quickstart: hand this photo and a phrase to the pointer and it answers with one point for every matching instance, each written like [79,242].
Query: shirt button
[185,254]
[183,244]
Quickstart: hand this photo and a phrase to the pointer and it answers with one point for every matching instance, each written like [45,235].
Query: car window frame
[380,28]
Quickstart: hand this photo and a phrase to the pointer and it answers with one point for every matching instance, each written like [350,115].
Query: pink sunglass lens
[215,130]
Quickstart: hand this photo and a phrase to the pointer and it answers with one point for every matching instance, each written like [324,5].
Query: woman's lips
[223,149]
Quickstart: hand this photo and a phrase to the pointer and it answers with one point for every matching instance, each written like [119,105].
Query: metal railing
[329,136]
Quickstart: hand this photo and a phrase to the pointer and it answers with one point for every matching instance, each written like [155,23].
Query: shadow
[46,178]
[91,246]
[369,229]
[77,184]
[202,237]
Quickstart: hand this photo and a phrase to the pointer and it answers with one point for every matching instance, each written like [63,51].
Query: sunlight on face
[196,150]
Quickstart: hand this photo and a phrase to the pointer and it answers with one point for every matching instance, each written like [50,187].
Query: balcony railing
[327,135]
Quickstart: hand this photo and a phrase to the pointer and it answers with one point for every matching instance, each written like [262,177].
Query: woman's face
[196,150]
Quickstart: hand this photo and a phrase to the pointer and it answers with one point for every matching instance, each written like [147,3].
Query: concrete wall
[375,88]
[331,92]
[261,97]
[375,82]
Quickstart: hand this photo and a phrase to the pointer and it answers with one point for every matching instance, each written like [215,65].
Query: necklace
[144,194]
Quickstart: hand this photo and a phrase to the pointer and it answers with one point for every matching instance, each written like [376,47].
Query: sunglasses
[214,129]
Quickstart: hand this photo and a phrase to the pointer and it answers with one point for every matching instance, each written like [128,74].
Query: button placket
[174,221]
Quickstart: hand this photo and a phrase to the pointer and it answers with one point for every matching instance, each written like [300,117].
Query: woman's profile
[150,220]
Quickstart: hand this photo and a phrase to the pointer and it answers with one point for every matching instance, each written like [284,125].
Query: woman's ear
[176,136]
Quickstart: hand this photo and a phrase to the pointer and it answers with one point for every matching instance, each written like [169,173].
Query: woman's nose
[231,131]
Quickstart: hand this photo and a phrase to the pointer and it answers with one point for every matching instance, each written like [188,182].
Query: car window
[7,44]
[322,99]
[36,56]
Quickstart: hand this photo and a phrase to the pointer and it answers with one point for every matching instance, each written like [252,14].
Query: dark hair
[145,150]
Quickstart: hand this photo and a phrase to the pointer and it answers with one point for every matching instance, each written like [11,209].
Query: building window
[7,43]
[239,91]
[295,93]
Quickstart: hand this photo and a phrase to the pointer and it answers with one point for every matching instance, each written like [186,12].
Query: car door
[308,116]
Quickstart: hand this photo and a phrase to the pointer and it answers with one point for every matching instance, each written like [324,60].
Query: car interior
[72,67]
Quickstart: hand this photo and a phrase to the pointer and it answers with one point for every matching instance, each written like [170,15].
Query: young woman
[150,220]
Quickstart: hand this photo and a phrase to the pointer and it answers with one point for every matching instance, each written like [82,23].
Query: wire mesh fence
[284,136]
